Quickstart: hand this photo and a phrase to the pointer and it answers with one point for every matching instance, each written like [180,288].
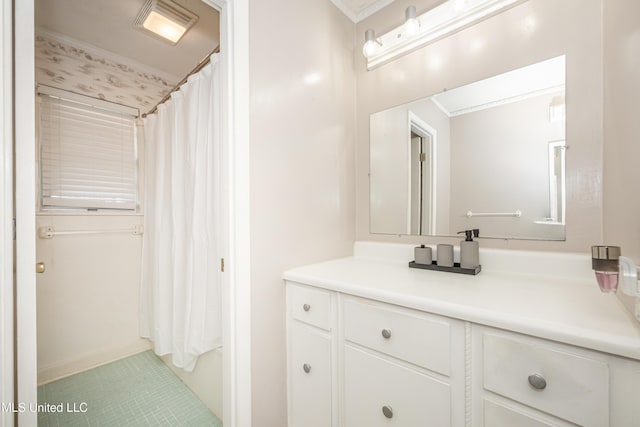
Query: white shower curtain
[180,295]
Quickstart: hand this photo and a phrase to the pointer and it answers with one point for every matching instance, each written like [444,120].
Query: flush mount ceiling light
[439,22]
[165,20]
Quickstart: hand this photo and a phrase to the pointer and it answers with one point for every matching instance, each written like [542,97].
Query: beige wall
[533,31]
[302,90]
[509,141]
[622,127]
[390,170]
[88,296]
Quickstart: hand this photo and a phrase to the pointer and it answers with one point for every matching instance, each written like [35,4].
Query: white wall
[390,170]
[622,127]
[528,33]
[302,179]
[509,141]
[87,298]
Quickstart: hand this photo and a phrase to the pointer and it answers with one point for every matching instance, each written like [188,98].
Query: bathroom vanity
[530,341]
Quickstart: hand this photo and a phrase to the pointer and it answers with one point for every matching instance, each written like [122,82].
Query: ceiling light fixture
[439,22]
[165,20]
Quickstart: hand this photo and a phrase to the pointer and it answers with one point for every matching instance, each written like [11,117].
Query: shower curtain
[180,294]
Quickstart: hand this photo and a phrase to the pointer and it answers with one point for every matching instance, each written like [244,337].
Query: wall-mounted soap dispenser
[605,262]
[469,250]
[613,272]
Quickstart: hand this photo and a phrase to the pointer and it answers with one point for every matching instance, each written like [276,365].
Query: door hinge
[423,157]
[222,265]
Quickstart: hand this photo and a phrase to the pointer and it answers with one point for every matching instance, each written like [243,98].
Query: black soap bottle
[469,250]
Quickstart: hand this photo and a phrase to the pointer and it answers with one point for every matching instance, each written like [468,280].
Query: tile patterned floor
[137,391]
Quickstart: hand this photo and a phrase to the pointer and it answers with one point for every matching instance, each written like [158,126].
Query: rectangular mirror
[488,155]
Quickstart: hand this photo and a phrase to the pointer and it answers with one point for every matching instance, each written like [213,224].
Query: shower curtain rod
[197,68]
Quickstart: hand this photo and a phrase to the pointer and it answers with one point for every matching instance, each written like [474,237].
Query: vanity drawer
[546,377]
[379,392]
[309,305]
[497,415]
[415,337]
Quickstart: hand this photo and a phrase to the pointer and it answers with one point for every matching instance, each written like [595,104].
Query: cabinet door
[379,392]
[309,377]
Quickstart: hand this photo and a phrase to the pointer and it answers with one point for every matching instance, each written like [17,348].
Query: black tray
[455,269]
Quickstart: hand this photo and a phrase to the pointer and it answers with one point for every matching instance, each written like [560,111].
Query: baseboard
[58,371]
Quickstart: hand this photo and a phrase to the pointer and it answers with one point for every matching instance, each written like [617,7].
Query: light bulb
[458,5]
[371,44]
[369,48]
[411,23]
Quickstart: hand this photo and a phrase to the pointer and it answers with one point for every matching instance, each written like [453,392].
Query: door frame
[234,32]
[25,189]
[421,128]
[6,215]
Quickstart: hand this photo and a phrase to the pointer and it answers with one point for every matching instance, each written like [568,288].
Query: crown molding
[357,16]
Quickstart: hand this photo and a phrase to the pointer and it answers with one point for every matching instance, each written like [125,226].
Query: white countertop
[567,308]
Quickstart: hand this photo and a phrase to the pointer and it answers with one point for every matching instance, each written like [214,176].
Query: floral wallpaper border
[87,72]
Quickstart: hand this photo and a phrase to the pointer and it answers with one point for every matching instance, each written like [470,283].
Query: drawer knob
[306,367]
[306,307]
[537,381]
[387,411]
[386,333]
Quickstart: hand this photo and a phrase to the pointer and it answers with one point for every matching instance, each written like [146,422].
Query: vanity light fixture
[418,31]
[371,44]
[165,20]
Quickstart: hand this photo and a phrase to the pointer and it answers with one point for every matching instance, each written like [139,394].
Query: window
[88,154]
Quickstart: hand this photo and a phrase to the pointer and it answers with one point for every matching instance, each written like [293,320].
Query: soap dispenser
[469,250]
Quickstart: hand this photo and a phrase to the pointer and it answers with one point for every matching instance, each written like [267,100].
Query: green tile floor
[137,391]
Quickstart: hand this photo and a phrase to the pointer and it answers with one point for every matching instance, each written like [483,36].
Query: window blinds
[87,156]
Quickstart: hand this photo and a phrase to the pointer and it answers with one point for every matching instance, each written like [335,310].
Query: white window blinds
[87,155]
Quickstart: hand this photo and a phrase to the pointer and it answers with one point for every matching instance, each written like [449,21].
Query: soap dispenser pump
[469,250]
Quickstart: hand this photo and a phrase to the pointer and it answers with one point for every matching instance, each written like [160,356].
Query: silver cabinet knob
[537,381]
[386,333]
[306,307]
[306,367]
[387,411]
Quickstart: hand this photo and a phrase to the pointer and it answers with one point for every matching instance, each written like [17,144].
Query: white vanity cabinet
[510,347]
[355,361]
